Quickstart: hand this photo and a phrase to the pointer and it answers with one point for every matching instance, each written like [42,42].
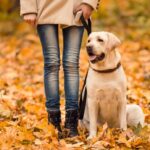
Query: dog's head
[99,44]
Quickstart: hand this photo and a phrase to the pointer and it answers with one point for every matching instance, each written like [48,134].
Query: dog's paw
[91,137]
[124,127]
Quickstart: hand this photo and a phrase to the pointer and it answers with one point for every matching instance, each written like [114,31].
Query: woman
[48,14]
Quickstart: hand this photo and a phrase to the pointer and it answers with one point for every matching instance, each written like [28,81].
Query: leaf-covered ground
[23,117]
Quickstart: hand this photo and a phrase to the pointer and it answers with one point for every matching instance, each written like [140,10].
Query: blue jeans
[72,37]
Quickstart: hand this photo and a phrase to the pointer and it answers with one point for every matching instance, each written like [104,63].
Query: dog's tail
[135,115]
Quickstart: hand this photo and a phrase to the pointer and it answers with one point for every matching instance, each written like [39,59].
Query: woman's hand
[86,9]
[30,18]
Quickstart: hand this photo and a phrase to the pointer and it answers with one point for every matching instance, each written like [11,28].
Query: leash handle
[87,26]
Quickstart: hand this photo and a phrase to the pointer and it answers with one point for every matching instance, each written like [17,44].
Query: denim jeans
[72,39]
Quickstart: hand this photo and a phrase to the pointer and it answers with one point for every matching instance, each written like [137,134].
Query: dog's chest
[97,84]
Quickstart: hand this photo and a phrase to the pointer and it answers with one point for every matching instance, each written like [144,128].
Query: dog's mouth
[95,58]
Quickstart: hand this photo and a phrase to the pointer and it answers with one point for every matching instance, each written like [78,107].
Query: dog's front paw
[124,126]
[91,137]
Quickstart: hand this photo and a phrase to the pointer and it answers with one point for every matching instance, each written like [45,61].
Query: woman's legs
[49,39]
[72,44]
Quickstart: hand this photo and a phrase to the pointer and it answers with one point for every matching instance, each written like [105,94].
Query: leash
[87,26]
[83,94]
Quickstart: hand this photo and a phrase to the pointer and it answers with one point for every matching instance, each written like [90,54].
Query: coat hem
[63,24]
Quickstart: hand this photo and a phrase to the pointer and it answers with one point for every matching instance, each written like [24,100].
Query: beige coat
[54,11]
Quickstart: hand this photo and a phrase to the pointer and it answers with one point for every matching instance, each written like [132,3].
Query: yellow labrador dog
[106,86]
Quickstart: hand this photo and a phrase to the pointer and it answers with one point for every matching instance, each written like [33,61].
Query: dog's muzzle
[94,58]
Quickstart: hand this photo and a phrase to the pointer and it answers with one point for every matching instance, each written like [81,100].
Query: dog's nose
[89,48]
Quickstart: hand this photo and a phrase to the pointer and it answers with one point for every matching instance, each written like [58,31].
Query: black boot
[54,117]
[71,122]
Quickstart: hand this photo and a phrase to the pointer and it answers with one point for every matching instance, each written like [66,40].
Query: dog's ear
[113,41]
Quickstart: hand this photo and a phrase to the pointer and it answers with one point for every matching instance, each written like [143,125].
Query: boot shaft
[54,117]
[71,122]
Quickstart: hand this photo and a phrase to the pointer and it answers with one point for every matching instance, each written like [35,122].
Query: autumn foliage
[23,117]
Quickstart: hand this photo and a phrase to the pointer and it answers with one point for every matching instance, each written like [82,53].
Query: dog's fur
[106,92]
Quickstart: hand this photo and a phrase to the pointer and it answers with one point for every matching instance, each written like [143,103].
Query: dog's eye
[100,40]
[88,41]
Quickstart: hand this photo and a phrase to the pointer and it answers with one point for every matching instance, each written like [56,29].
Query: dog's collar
[107,70]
